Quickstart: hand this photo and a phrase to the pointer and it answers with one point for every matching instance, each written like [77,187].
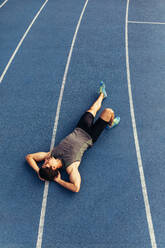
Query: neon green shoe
[114,123]
[102,89]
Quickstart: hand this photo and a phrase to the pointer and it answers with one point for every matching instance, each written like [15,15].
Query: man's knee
[109,111]
[107,114]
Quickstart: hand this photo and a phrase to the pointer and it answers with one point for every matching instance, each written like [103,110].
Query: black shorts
[86,123]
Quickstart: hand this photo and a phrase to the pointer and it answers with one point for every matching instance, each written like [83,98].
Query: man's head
[48,173]
[49,170]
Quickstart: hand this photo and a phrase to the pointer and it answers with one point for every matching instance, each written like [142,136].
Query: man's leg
[96,105]
[107,115]
[106,118]
[87,119]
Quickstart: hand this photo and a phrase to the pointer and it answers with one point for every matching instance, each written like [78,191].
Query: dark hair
[47,173]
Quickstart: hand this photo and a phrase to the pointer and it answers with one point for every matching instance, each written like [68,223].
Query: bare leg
[107,115]
[97,105]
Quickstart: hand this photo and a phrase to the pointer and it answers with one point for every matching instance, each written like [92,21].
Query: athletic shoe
[114,123]
[102,89]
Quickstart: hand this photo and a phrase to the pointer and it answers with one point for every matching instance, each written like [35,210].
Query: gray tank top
[71,148]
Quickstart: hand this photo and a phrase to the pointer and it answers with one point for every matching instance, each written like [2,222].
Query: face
[50,162]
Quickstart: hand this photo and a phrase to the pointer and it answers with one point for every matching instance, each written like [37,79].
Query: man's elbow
[77,188]
[28,156]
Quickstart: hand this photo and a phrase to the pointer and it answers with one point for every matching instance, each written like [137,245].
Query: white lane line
[157,23]
[65,76]
[139,159]
[21,41]
[45,194]
[3,3]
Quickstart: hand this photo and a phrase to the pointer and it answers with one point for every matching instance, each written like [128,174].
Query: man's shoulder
[72,166]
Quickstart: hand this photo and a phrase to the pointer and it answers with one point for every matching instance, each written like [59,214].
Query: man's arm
[39,156]
[75,181]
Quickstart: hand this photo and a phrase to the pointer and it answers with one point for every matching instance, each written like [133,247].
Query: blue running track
[121,200]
